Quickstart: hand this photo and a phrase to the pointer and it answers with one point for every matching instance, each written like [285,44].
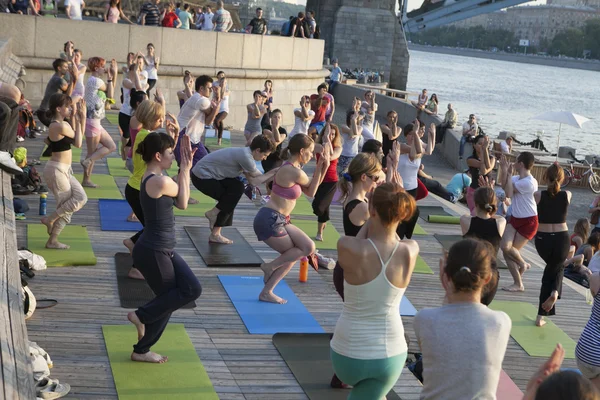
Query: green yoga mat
[196,210]
[75,150]
[444,219]
[76,236]
[116,167]
[303,207]
[536,341]
[182,377]
[421,267]
[211,142]
[113,118]
[419,230]
[107,187]
[330,235]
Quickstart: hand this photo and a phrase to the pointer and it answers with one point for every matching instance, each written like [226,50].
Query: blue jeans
[332,85]
[463,140]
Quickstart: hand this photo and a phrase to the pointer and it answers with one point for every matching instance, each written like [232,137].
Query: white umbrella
[562,117]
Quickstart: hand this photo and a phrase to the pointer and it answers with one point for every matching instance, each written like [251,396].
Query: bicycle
[593,178]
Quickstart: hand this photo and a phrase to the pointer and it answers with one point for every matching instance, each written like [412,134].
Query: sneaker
[8,163]
[20,139]
[325,262]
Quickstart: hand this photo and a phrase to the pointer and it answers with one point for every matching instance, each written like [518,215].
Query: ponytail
[360,165]
[554,176]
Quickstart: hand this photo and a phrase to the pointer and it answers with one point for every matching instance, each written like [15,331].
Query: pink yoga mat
[507,389]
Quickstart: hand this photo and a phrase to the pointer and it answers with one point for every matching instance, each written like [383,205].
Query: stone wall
[295,65]
[10,65]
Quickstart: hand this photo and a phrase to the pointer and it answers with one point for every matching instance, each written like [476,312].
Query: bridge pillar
[364,34]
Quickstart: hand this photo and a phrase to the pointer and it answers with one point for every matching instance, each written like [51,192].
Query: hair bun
[488,207]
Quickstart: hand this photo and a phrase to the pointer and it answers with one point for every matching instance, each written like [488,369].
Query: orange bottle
[303,270]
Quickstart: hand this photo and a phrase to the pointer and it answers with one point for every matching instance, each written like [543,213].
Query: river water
[506,95]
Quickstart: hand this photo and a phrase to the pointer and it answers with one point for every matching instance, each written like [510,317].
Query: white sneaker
[325,262]
[8,164]
[20,139]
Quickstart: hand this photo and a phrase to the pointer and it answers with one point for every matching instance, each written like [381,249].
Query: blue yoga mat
[113,216]
[406,308]
[268,318]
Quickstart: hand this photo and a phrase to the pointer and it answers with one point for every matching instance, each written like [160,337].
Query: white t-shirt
[125,107]
[151,68]
[409,170]
[301,126]
[349,145]
[467,127]
[192,116]
[75,11]
[523,202]
[144,79]
[504,146]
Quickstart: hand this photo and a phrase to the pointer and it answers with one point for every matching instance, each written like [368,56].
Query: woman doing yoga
[272,222]
[552,240]
[167,274]
[368,349]
[223,88]
[256,111]
[188,89]
[131,82]
[58,175]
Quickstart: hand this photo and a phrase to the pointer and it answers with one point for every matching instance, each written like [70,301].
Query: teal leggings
[371,379]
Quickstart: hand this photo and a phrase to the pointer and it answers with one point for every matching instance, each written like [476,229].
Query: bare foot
[133,218]
[319,237]
[523,268]
[267,271]
[540,321]
[514,288]
[212,219]
[129,244]
[135,273]
[49,224]
[218,142]
[57,245]
[89,184]
[550,301]
[141,328]
[192,201]
[219,239]
[149,357]
[271,298]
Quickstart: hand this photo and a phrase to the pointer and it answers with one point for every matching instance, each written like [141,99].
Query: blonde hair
[363,163]
[148,112]
[582,228]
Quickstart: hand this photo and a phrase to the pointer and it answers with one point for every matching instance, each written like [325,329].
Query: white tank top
[370,326]
[150,68]
[408,170]
[126,107]
[350,145]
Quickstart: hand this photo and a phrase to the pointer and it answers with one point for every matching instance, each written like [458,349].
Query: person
[152,63]
[336,75]
[325,192]
[368,349]
[303,116]
[459,183]
[136,98]
[507,144]
[272,222]
[221,20]
[468,327]
[150,14]
[73,9]
[79,70]
[170,19]
[256,110]
[268,93]
[223,88]
[586,351]
[449,122]
[298,28]
[523,222]
[68,51]
[217,176]
[140,60]
[582,258]
[432,105]
[552,239]
[98,142]
[258,25]
[594,210]
[480,164]
[351,134]
[114,12]
[185,17]
[434,186]
[567,385]
[369,107]
[469,131]
[68,192]
[421,102]
[188,89]
[207,19]
[285,28]
[130,82]
[276,133]
[581,232]
[390,133]
[165,271]
[57,84]
[319,103]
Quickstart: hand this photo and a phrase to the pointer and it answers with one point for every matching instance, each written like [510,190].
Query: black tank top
[159,228]
[387,144]
[485,229]
[63,144]
[553,209]
[349,228]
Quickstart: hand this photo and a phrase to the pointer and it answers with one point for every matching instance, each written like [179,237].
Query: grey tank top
[159,231]
[253,124]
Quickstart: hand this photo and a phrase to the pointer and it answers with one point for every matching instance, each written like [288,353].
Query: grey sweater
[463,346]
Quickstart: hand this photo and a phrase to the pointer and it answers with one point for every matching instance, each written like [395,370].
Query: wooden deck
[240,365]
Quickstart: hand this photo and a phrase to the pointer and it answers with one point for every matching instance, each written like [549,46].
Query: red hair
[96,62]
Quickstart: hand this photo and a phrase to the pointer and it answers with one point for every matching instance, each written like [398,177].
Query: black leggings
[174,285]
[133,199]
[406,229]
[323,199]
[436,188]
[227,192]
[219,123]
[554,249]
[151,83]
[124,120]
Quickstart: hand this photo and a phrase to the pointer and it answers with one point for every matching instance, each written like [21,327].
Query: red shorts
[526,227]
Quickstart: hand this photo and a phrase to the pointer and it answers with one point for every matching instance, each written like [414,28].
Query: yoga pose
[277,134]
[587,352]
[351,134]
[223,93]
[524,220]
[58,175]
[369,108]
[303,115]
[319,103]
[552,239]
[98,142]
[390,133]
[368,349]
[152,63]
[256,111]
[268,92]
[136,97]
[167,274]
[79,70]
[58,83]
[463,325]
[130,82]
[481,163]
[217,176]
[188,89]
[272,222]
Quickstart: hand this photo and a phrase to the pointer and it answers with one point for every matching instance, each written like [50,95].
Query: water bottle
[303,270]
[43,204]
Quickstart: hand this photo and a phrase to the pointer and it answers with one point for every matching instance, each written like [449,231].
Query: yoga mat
[444,219]
[133,293]
[75,150]
[406,308]
[507,389]
[303,207]
[107,188]
[183,377]
[205,203]
[330,235]
[112,118]
[211,133]
[76,236]
[268,318]
[238,254]
[426,211]
[421,267]
[212,143]
[448,240]
[308,357]
[113,216]
[116,167]
[419,230]
[536,341]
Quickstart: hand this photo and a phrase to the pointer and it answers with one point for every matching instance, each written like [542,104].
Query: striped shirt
[222,20]
[588,347]
[152,14]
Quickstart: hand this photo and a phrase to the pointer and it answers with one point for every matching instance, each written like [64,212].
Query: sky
[412,4]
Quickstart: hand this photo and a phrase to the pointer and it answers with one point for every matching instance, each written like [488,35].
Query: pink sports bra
[290,193]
